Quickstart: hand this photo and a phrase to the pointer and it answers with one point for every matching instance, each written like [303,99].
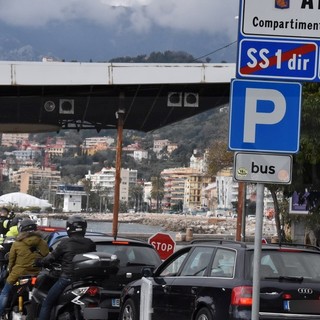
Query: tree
[136,196]
[157,191]
[306,168]
[219,157]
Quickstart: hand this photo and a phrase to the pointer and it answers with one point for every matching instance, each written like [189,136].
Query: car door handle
[194,290]
[166,288]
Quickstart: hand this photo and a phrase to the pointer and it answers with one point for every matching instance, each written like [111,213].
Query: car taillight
[92,291]
[241,296]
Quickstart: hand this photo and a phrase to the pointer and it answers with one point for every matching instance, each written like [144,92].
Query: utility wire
[210,53]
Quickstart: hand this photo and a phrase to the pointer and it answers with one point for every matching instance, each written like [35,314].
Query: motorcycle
[19,298]
[80,300]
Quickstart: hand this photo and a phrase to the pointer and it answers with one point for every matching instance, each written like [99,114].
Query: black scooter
[80,300]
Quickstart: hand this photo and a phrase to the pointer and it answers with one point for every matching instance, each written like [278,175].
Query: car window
[289,263]
[131,254]
[224,263]
[173,267]
[197,262]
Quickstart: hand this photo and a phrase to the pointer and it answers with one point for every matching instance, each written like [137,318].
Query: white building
[72,197]
[104,181]
[12,139]
[158,145]
[227,190]
[93,141]
[138,155]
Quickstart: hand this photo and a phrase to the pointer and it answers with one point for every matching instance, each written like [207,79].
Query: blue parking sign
[265,116]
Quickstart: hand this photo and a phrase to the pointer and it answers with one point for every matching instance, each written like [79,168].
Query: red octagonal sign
[163,243]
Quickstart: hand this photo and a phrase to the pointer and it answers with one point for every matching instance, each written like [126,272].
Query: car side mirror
[147,272]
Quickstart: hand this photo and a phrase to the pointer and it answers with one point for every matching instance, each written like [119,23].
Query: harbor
[180,227]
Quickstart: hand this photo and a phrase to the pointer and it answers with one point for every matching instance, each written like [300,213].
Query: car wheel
[128,311]
[204,314]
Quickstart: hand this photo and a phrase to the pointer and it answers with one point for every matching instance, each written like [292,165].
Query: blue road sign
[279,40]
[278,59]
[265,116]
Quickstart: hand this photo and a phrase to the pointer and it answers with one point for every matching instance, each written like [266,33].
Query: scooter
[19,298]
[80,300]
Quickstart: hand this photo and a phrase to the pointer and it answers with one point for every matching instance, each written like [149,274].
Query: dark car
[212,280]
[133,255]
[53,234]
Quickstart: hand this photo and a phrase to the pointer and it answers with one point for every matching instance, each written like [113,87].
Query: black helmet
[76,225]
[27,225]
[15,221]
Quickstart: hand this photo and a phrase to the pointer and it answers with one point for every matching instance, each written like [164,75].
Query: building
[138,155]
[194,197]
[31,177]
[13,139]
[158,145]
[104,181]
[72,197]
[227,190]
[26,155]
[174,185]
[199,161]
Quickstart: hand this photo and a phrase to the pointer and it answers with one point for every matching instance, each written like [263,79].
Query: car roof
[55,234]
[250,245]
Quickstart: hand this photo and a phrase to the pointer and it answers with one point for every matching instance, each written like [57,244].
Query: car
[52,234]
[133,255]
[213,280]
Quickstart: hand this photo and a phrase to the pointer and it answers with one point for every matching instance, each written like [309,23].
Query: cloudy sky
[104,29]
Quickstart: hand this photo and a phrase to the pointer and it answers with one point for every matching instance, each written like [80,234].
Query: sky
[100,30]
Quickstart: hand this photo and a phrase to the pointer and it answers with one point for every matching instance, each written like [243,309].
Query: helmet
[4,212]
[15,221]
[76,225]
[27,225]
[11,215]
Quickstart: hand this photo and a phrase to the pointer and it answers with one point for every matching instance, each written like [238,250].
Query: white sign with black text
[263,168]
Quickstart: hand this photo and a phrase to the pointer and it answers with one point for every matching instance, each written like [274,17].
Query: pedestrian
[76,243]
[28,247]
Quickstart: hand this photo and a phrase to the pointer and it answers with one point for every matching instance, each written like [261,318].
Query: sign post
[277,40]
[163,243]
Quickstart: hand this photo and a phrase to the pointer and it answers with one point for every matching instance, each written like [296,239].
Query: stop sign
[163,243]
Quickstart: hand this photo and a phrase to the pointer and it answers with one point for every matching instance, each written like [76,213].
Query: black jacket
[67,249]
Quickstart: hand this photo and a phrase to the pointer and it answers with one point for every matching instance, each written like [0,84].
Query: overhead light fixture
[191,100]
[174,99]
[66,106]
[49,106]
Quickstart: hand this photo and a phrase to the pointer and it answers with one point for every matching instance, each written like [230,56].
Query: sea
[106,227]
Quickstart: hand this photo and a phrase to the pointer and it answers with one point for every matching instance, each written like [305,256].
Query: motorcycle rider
[28,247]
[4,223]
[76,243]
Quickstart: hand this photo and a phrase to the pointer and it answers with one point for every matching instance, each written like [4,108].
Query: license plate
[115,303]
[302,306]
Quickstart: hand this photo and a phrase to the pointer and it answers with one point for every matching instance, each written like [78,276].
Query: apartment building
[194,196]
[36,177]
[26,155]
[174,185]
[158,145]
[104,180]
[13,139]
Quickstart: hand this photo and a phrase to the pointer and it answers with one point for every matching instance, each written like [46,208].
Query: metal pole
[244,211]
[116,197]
[240,210]
[257,253]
